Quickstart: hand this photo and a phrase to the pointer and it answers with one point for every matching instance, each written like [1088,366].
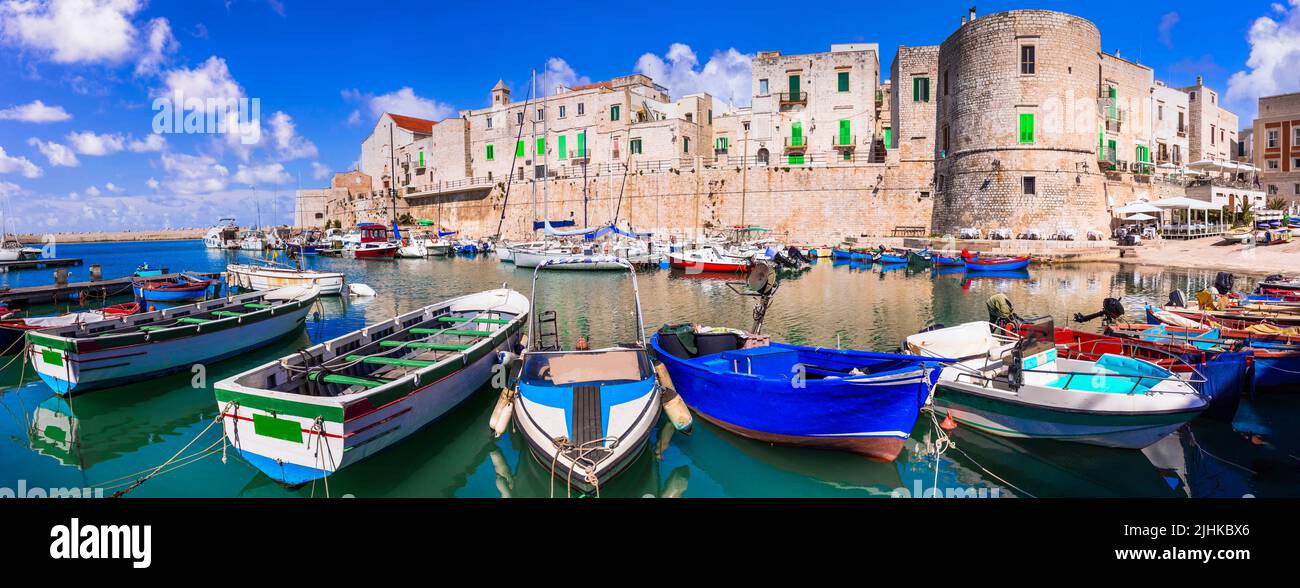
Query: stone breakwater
[101,237]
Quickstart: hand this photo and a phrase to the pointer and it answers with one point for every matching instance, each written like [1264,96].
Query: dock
[39,263]
[26,296]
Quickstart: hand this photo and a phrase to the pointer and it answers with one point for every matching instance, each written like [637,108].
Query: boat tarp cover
[613,229]
[551,231]
[554,223]
[447,233]
[684,333]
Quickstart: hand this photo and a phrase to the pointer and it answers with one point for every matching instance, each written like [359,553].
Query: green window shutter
[564,147]
[889,138]
[489,152]
[1026,127]
[582,144]
[796,160]
[519,149]
[541,146]
[686,144]
[1110,109]
[796,134]
[613,112]
[846,132]
[844,81]
[726,143]
[916,89]
[710,116]
[794,87]
[848,155]
[421,158]
[925,89]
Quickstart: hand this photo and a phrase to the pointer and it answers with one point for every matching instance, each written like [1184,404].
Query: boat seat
[189,320]
[257,305]
[343,380]
[461,332]
[226,313]
[415,363]
[146,328]
[482,321]
[423,345]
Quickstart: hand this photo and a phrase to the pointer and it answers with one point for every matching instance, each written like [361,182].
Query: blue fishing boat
[890,256]
[838,253]
[997,264]
[144,271]
[180,289]
[855,401]
[946,261]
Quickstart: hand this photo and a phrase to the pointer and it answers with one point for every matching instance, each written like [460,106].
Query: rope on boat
[945,442]
[171,460]
[581,459]
[318,429]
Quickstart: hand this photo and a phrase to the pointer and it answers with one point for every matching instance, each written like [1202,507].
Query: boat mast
[546,160]
[533,138]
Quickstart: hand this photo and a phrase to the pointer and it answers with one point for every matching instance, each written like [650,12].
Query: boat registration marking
[277,428]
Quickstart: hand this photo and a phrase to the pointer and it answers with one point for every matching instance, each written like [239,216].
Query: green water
[102,436]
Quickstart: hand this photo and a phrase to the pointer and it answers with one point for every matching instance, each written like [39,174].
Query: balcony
[797,145]
[580,158]
[842,142]
[1182,132]
[790,99]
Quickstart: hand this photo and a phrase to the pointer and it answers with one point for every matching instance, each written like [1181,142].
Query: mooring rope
[220,419]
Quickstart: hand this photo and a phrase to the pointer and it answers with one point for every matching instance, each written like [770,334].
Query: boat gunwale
[900,373]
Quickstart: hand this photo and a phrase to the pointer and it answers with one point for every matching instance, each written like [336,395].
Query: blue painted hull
[882,258]
[841,254]
[1227,379]
[870,414]
[942,261]
[146,295]
[1274,373]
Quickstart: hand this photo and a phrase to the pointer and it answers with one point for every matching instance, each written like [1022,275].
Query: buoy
[503,420]
[663,264]
[360,290]
[948,424]
[674,407]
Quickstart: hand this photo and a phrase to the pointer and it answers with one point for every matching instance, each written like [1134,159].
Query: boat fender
[359,289]
[503,419]
[672,402]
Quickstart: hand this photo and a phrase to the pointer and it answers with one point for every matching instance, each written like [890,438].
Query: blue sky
[77,79]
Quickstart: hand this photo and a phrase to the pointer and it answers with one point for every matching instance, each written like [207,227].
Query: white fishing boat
[585,413]
[223,235]
[90,355]
[412,249]
[314,412]
[254,240]
[1016,386]
[600,252]
[506,251]
[12,250]
[269,277]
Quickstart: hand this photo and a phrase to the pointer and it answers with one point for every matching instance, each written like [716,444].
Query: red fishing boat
[373,243]
[709,259]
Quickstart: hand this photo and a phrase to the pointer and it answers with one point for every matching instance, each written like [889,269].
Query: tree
[1276,204]
[405,219]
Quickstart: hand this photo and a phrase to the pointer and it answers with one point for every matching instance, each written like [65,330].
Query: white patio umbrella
[1141,216]
[1137,207]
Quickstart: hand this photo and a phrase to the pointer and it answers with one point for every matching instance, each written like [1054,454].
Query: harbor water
[109,438]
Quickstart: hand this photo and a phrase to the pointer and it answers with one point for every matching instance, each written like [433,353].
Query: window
[846,133]
[1272,164]
[1295,189]
[690,117]
[1271,141]
[796,134]
[1026,127]
[1295,163]
[541,146]
[720,144]
[634,146]
[519,148]
[614,147]
[944,151]
[945,83]
[582,144]
[1027,60]
[710,116]
[1211,134]
[1295,136]
[686,144]
[843,80]
[1272,190]
[613,112]
[564,147]
[762,87]
[795,90]
[489,122]
[581,109]
[1030,185]
[920,89]
[1160,112]
[491,152]
[561,111]
[541,114]
[889,138]
[1178,154]
[520,117]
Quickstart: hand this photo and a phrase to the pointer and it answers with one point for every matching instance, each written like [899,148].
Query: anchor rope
[219,419]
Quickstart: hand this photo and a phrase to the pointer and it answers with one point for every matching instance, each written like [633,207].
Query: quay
[39,263]
[103,289]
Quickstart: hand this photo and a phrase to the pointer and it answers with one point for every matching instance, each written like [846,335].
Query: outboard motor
[1223,282]
[793,253]
[1001,312]
[1177,299]
[1111,310]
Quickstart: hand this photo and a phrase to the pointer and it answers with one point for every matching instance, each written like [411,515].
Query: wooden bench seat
[423,345]
[482,321]
[415,363]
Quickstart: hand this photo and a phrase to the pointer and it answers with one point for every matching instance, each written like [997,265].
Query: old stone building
[1276,137]
[390,132]
[1213,128]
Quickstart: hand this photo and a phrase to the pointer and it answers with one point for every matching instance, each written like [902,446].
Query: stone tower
[500,94]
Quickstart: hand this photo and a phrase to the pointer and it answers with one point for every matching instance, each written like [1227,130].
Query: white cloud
[403,101]
[18,165]
[149,144]
[92,191]
[159,43]
[558,72]
[270,173]
[212,80]
[152,184]
[58,154]
[111,187]
[1274,63]
[72,31]
[320,171]
[88,143]
[193,174]
[354,119]
[35,112]
[1164,31]
[287,141]
[726,76]
[8,189]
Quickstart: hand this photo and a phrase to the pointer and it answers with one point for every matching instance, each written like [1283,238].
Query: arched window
[762,156]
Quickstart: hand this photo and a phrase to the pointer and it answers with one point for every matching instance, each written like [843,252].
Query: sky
[81,81]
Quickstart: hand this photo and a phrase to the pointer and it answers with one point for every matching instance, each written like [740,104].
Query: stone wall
[804,205]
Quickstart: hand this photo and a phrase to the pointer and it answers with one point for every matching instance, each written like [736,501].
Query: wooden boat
[13,331]
[314,412]
[1239,235]
[585,414]
[997,264]
[88,356]
[1278,283]
[270,277]
[1276,357]
[947,261]
[855,401]
[890,256]
[1011,385]
[181,289]
[707,258]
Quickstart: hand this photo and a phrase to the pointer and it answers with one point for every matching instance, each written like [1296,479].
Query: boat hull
[256,278]
[997,265]
[375,252]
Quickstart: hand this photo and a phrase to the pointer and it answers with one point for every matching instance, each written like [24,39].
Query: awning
[1141,216]
[1184,202]
[424,222]
[1137,207]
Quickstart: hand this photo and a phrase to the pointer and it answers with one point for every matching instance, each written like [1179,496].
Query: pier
[39,263]
[102,289]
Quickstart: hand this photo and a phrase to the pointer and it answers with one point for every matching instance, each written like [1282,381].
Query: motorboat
[708,258]
[223,235]
[370,241]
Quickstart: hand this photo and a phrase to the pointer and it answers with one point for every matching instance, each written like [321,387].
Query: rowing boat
[87,356]
[314,412]
[997,264]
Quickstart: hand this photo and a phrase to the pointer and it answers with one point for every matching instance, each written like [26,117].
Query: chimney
[1200,81]
[972,14]
[963,21]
